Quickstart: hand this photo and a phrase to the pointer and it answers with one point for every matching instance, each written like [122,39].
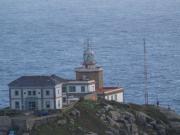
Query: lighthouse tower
[89,70]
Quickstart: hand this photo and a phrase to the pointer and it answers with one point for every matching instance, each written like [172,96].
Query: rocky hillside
[110,118]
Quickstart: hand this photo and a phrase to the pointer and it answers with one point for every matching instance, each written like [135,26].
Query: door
[32,105]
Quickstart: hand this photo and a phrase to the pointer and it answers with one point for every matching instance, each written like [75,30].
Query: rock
[80,129]
[101,111]
[25,134]
[123,132]
[143,118]
[91,133]
[115,115]
[175,125]
[129,117]
[115,131]
[112,122]
[109,133]
[103,117]
[75,113]
[71,121]
[61,122]
[134,129]
[5,121]
[162,132]
[149,126]
[108,108]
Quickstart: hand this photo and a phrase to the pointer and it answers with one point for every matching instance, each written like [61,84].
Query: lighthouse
[89,70]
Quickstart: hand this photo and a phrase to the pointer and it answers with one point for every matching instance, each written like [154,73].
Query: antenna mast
[145,74]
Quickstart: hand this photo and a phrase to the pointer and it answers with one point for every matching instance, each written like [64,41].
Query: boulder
[115,115]
[108,108]
[142,118]
[75,113]
[72,121]
[91,133]
[109,133]
[5,121]
[61,122]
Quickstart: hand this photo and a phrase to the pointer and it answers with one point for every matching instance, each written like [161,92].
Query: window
[64,99]
[16,93]
[116,97]
[29,93]
[93,87]
[47,93]
[17,105]
[34,93]
[84,77]
[32,105]
[111,97]
[63,89]
[72,89]
[59,103]
[47,104]
[82,88]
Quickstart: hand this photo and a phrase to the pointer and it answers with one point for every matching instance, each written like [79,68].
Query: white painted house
[46,92]
[36,93]
[74,90]
[112,94]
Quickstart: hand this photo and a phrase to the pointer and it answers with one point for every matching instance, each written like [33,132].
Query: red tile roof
[109,90]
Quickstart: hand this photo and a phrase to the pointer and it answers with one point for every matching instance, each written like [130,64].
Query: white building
[112,94]
[36,93]
[45,92]
[74,90]
[90,71]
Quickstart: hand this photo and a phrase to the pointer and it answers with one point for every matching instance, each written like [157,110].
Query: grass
[90,122]
[9,112]
[87,120]
[51,129]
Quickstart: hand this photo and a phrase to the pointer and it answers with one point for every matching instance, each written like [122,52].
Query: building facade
[52,92]
[46,92]
[89,70]
[74,90]
[112,94]
[36,93]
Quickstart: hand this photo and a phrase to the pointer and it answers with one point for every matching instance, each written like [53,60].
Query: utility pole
[145,74]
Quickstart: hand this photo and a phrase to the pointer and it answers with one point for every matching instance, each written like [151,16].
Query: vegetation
[88,121]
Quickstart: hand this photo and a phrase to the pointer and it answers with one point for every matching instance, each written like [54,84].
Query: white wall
[58,91]
[13,103]
[88,88]
[38,93]
[13,93]
[91,88]
[112,97]
[51,93]
[41,103]
[58,103]
[51,101]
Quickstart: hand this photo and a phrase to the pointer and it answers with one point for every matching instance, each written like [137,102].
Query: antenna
[88,43]
[157,96]
[145,74]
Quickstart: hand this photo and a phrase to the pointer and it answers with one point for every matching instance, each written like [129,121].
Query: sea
[44,37]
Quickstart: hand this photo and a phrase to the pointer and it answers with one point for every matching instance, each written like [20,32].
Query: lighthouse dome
[89,57]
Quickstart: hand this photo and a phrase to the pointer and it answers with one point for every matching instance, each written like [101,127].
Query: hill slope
[110,118]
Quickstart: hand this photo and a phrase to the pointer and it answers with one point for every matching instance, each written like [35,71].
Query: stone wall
[5,124]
